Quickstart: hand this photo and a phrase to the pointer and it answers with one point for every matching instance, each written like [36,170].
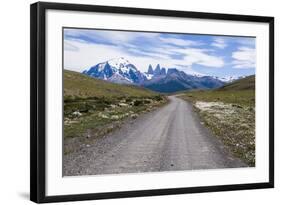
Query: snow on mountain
[121,63]
[118,70]
[176,80]
[189,71]
[148,76]
[117,78]
[158,71]
[229,79]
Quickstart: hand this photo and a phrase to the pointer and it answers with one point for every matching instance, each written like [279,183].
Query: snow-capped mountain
[229,79]
[160,79]
[118,70]
[158,71]
[175,80]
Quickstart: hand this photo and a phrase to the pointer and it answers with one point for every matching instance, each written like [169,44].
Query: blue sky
[221,56]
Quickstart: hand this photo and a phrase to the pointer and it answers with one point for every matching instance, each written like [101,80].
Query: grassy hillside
[229,112]
[240,92]
[77,85]
[93,108]
[239,97]
[247,83]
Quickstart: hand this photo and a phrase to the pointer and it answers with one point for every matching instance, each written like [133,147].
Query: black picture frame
[38,100]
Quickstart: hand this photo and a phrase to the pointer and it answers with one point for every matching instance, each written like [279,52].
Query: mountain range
[160,79]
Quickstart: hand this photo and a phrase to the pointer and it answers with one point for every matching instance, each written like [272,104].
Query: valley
[114,128]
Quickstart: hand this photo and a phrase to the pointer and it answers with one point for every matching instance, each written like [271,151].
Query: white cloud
[87,55]
[152,53]
[249,42]
[92,54]
[244,58]
[200,57]
[69,46]
[189,70]
[219,43]
[82,52]
[114,37]
[179,42]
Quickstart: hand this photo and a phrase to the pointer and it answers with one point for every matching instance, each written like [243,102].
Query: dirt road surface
[168,139]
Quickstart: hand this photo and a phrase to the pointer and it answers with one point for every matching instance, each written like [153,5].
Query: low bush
[138,103]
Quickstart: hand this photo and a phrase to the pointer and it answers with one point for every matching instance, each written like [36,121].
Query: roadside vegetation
[229,112]
[94,108]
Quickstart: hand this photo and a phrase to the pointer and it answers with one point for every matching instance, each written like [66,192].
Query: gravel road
[169,138]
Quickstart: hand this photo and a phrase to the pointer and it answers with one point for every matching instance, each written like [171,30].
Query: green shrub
[158,97]
[145,101]
[138,103]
